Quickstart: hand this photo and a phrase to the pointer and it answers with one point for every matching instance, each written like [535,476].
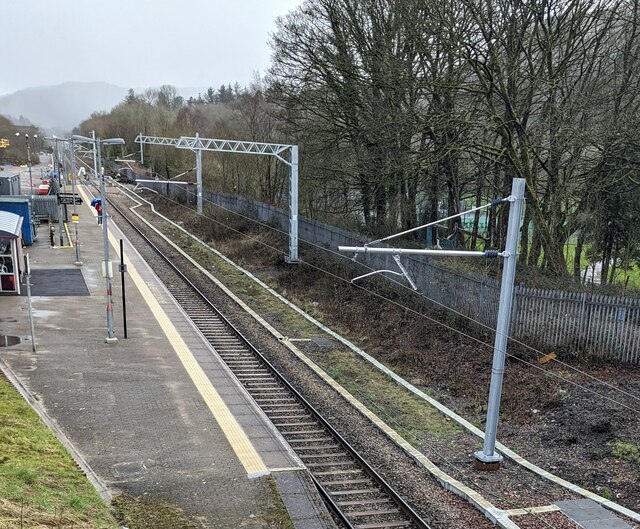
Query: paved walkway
[157,414]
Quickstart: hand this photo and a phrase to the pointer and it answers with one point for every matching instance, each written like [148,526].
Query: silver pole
[33,330]
[60,170]
[141,151]
[95,158]
[29,157]
[488,459]
[75,212]
[199,174]
[107,270]
[293,207]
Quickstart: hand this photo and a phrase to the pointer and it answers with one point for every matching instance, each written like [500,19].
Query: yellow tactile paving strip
[242,446]
[498,516]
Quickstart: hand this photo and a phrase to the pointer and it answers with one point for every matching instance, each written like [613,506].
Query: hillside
[61,107]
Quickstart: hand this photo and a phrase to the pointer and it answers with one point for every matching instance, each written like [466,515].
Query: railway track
[354,492]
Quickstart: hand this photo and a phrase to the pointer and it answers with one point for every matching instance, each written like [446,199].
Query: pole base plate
[111,340]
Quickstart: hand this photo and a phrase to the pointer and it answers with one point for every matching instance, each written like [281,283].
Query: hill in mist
[61,107]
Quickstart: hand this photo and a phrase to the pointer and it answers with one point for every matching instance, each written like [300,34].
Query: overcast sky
[135,43]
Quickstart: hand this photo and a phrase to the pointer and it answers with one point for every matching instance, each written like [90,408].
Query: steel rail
[373,475]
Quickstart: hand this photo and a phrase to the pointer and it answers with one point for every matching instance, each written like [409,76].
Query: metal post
[33,330]
[488,459]
[59,170]
[95,158]
[74,216]
[141,150]
[123,269]
[107,270]
[293,207]
[199,174]
[29,162]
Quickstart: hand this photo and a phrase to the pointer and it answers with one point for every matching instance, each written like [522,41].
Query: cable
[439,304]
[461,472]
[449,327]
[413,310]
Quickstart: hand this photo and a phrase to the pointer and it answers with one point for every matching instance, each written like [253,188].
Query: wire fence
[578,323]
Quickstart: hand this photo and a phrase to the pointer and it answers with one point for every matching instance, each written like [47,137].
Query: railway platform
[157,414]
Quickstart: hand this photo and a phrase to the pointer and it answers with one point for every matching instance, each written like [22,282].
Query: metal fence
[576,322]
[45,207]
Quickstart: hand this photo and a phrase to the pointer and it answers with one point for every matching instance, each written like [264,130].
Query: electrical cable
[433,320]
[438,303]
[407,434]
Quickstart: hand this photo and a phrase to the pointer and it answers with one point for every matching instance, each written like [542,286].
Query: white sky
[135,43]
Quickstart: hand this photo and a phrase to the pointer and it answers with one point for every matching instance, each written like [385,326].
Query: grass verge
[408,414]
[40,484]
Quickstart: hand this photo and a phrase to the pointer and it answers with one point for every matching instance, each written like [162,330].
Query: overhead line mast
[277,150]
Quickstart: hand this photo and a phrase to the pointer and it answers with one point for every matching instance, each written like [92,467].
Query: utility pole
[488,458]
[74,215]
[107,267]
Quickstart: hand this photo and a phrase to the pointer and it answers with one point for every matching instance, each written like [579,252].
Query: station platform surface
[158,414]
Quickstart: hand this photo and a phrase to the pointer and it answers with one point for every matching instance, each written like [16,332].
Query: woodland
[408,111]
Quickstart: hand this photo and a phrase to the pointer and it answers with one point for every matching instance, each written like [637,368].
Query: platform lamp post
[107,269]
[74,215]
[26,137]
[57,163]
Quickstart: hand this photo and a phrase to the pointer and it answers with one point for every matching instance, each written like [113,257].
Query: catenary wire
[433,320]
[438,303]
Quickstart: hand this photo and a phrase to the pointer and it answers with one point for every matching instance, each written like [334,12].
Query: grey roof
[10,224]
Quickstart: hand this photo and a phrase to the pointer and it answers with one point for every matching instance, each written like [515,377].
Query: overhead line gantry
[277,150]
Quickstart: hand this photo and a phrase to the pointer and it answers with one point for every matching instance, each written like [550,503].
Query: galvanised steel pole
[488,459]
[29,157]
[95,158]
[107,270]
[60,170]
[198,173]
[74,216]
[293,207]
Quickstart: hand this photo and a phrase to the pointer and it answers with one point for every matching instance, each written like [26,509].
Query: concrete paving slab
[590,515]
[131,409]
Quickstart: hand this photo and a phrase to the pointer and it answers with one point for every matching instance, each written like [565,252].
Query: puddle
[8,341]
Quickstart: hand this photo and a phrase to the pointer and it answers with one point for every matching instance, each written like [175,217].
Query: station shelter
[10,252]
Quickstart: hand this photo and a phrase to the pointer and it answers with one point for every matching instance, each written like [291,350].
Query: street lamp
[26,137]
[74,215]
[107,270]
[58,169]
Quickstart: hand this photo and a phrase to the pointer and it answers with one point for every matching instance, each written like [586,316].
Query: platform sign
[75,218]
[68,198]
[4,143]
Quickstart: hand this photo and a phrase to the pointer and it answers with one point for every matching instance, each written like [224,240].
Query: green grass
[403,411]
[142,513]
[633,273]
[626,451]
[40,484]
